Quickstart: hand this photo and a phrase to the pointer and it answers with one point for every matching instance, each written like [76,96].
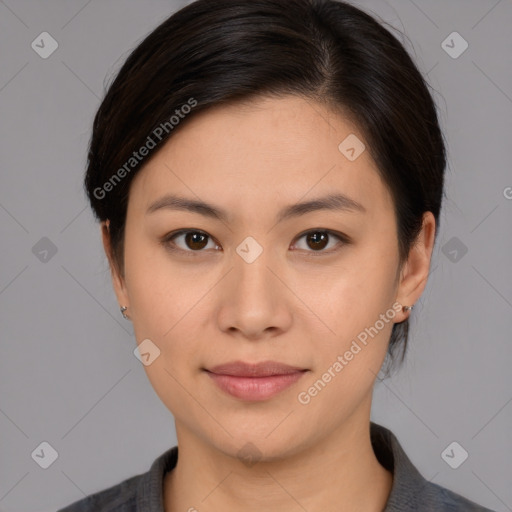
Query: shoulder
[440,498]
[139,493]
[117,498]
[410,490]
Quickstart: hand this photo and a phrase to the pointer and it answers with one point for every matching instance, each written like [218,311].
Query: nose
[255,302]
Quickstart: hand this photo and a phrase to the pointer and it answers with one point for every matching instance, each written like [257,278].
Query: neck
[340,472]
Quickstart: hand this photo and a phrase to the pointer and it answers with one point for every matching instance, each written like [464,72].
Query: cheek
[347,362]
[358,307]
[162,300]
[164,307]
[154,287]
[352,295]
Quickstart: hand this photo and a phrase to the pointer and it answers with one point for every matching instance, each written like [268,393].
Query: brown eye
[317,240]
[193,241]
[196,240]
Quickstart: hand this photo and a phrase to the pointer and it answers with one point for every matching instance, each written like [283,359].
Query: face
[253,277]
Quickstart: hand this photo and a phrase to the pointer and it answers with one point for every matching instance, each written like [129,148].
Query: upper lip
[262,369]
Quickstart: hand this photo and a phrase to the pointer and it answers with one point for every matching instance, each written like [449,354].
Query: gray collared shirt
[409,492]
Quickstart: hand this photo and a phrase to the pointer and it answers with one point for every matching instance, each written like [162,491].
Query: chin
[250,448]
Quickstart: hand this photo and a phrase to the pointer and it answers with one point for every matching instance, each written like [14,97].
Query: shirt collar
[408,483]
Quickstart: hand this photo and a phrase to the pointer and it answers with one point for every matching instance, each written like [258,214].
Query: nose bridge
[253,303]
[252,272]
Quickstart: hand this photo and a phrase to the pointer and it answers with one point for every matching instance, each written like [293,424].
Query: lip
[254,382]
[262,369]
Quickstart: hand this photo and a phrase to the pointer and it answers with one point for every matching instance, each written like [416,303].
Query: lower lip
[255,388]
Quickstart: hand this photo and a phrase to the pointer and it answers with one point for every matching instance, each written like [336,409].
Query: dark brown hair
[214,52]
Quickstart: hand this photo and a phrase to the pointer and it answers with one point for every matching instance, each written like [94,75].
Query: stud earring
[123,309]
[407,308]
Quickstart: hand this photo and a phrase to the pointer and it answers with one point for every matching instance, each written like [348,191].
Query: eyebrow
[337,202]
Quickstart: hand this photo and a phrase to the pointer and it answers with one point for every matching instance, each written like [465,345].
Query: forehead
[265,151]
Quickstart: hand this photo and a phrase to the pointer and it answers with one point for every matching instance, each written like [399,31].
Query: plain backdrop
[68,375]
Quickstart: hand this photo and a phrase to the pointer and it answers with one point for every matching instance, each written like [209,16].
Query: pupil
[192,240]
[316,239]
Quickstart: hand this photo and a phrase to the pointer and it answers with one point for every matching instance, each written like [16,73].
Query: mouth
[254,382]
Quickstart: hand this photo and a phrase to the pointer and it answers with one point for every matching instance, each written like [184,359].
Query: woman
[269,177]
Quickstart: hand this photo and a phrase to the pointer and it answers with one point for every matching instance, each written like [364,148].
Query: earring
[407,308]
[123,309]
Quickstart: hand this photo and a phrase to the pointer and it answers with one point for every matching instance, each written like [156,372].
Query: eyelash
[169,244]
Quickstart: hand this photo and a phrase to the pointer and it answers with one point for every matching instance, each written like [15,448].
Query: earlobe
[414,275]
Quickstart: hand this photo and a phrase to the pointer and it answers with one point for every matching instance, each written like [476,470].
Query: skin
[293,304]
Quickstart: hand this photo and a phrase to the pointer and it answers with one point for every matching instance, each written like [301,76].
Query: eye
[195,241]
[318,239]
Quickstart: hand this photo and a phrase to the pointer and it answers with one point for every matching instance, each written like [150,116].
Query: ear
[413,277]
[118,281]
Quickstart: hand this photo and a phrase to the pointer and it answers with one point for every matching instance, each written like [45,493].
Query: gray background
[68,375]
